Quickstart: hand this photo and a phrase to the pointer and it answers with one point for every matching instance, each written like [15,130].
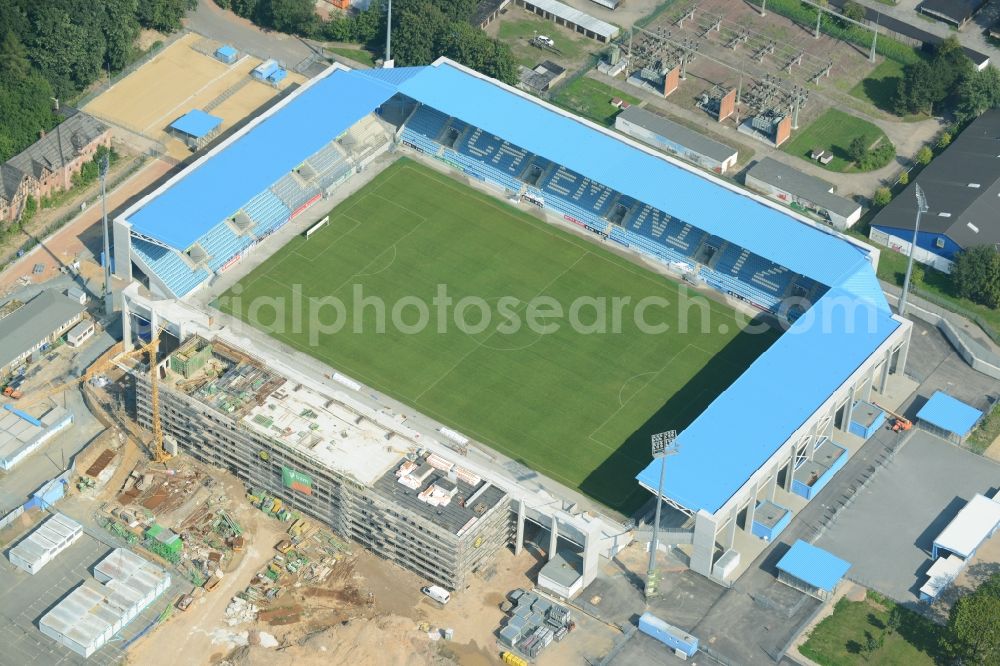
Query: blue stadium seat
[292,193]
[168,266]
[750,268]
[221,244]
[427,122]
[267,211]
[329,157]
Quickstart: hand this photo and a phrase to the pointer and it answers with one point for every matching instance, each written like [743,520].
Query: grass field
[833,131]
[519,33]
[576,406]
[841,638]
[356,54]
[591,99]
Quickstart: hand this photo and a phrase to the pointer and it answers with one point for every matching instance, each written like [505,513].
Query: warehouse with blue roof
[842,341]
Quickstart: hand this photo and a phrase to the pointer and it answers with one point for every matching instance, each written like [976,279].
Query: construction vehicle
[899,422]
[11,392]
[512,659]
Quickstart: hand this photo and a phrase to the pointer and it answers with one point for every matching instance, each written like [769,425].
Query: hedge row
[806,15]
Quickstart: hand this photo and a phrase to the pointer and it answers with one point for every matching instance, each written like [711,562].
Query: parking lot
[27,598]
[888,530]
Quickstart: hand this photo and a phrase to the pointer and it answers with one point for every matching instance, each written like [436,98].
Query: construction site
[253,553]
[357,474]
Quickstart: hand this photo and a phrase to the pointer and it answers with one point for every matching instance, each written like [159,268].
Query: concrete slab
[888,530]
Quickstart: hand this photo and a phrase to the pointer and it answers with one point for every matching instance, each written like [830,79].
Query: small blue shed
[948,417]
[812,570]
[226,54]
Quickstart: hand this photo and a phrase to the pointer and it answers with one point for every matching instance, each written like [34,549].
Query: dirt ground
[184,76]
[200,635]
[80,237]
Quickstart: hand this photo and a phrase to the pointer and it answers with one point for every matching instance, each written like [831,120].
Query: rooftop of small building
[473,496]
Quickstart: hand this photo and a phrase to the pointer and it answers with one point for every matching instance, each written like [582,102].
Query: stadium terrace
[741,454]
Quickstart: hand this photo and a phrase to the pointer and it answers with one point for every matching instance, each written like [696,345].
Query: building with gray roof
[34,326]
[49,164]
[572,18]
[962,186]
[674,138]
[803,192]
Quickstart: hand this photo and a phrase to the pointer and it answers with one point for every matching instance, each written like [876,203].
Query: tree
[853,10]
[872,645]
[932,84]
[924,155]
[974,626]
[120,27]
[292,16]
[164,15]
[976,276]
[977,92]
[904,178]
[944,140]
[857,149]
[882,196]
[14,63]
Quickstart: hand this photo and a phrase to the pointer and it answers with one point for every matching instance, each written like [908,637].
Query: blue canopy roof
[221,184]
[950,414]
[747,424]
[610,161]
[226,50]
[196,123]
[813,566]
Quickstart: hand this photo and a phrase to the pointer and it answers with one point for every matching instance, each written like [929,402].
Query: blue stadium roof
[813,565]
[950,414]
[726,213]
[747,424]
[196,123]
[225,181]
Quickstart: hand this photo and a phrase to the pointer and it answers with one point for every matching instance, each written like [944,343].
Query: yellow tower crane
[159,452]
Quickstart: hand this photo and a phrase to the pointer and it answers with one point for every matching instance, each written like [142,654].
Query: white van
[438,594]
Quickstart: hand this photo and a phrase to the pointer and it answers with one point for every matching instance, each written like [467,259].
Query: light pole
[921,209]
[108,300]
[388,37]
[662,446]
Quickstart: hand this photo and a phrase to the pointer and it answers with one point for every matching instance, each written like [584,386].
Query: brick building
[49,164]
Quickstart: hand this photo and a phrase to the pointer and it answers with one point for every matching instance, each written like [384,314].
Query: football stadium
[472,185]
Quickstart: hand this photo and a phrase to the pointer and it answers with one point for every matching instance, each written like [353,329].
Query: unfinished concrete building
[352,471]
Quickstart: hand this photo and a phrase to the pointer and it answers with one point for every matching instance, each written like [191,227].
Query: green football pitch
[576,403]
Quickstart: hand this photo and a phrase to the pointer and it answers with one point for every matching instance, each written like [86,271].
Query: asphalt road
[210,20]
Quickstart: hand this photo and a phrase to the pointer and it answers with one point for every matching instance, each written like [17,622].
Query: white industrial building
[43,545]
[21,433]
[783,183]
[93,614]
[676,139]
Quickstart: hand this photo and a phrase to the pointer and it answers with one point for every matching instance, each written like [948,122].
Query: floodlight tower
[388,38]
[108,300]
[663,445]
[921,209]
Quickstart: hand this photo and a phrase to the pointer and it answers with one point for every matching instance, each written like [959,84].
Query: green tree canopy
[976,276]
[974,624]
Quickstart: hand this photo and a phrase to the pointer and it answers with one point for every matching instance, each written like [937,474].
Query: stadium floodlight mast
[921,209]
[663,445]
[388,37]
[108,301]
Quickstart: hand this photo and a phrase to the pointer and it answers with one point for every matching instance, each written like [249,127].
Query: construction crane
[160,454]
